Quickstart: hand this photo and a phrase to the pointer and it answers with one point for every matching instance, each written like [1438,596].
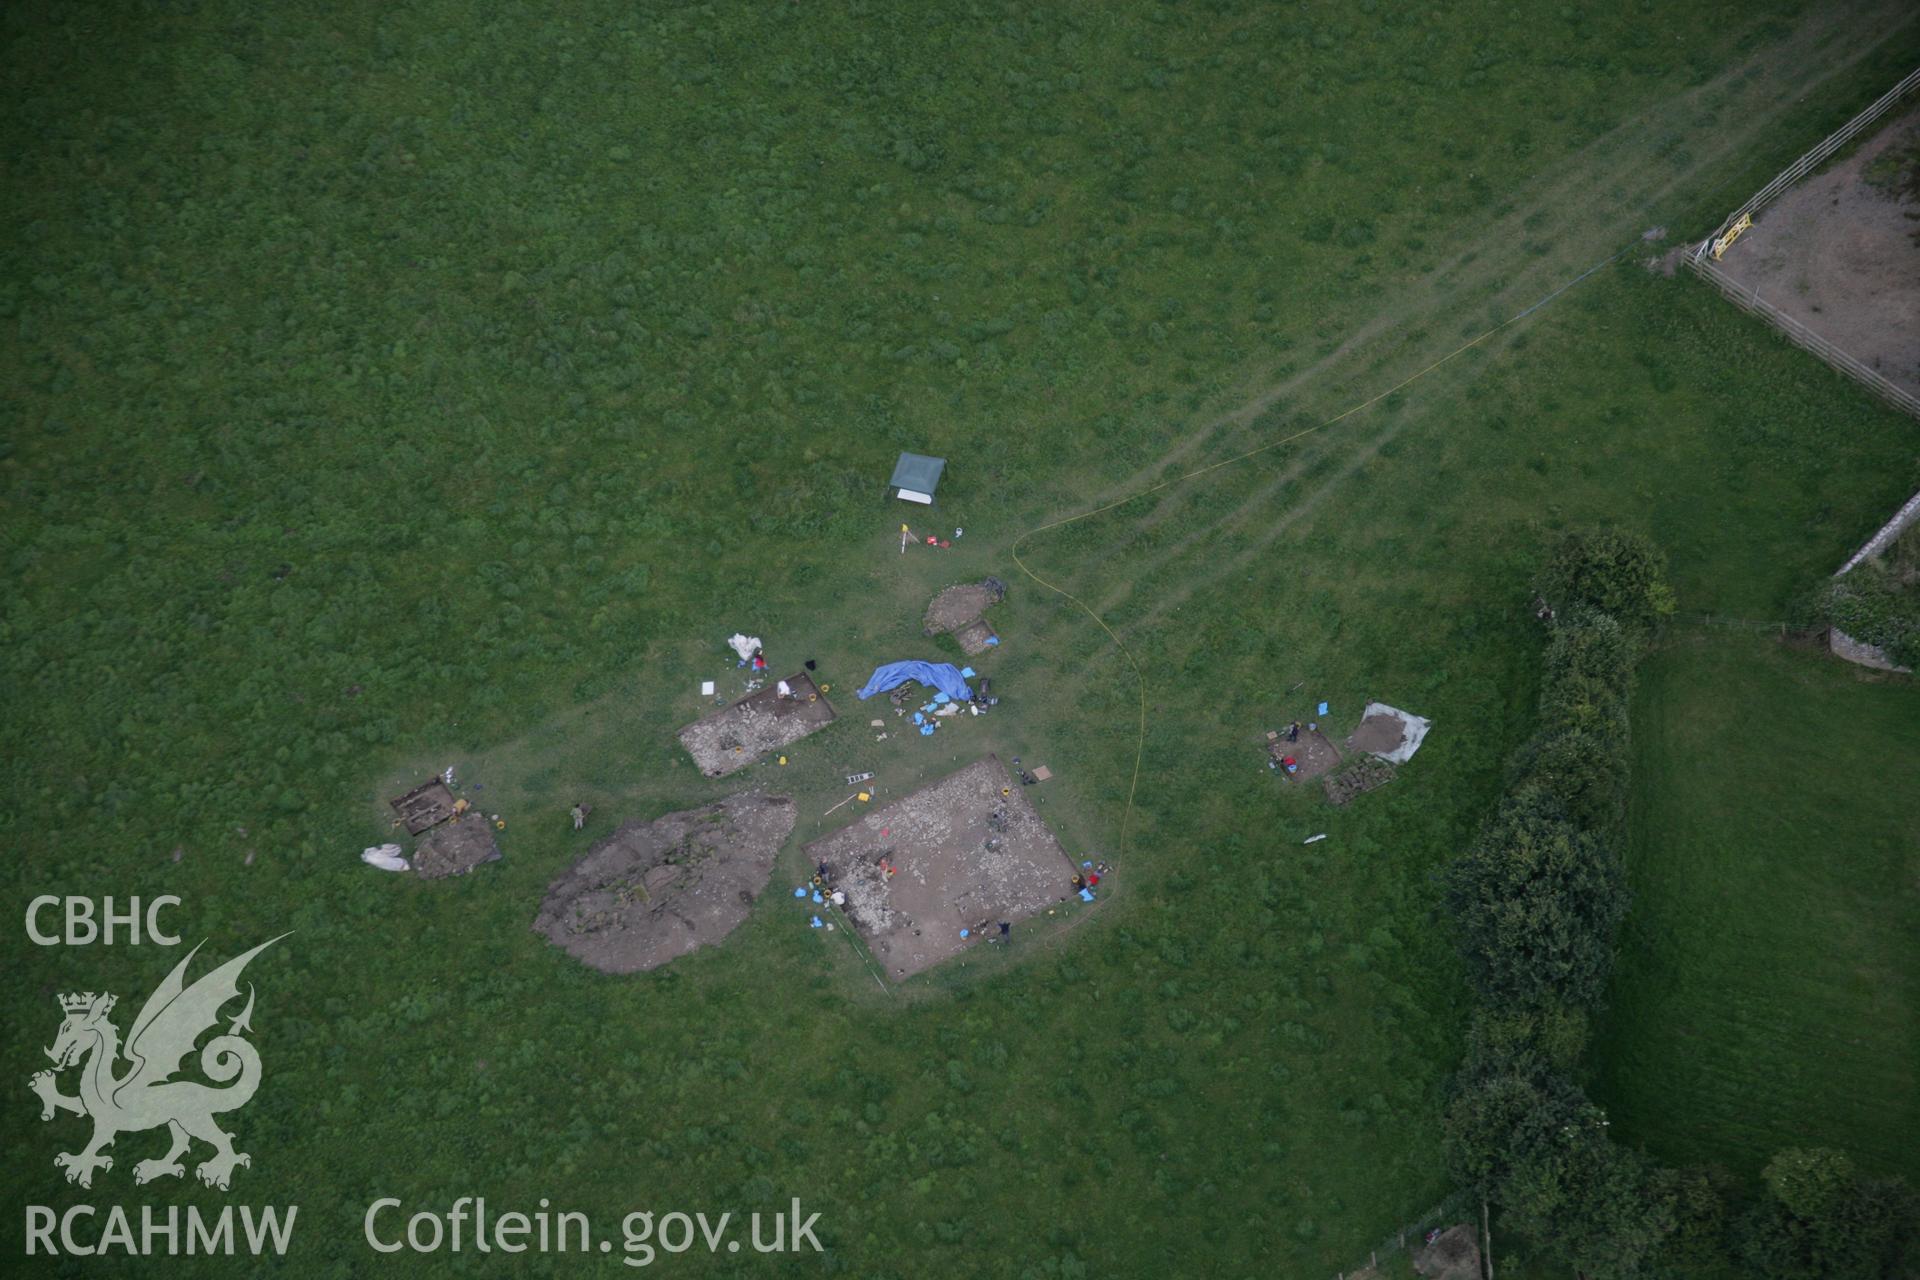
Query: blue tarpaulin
[943,676]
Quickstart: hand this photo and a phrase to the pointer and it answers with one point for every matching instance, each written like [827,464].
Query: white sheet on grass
[384,856]
[1413,731]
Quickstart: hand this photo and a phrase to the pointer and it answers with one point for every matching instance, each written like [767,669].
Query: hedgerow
[1537,900]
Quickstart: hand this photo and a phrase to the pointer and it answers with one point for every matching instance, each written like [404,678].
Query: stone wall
[1844,645]
[1902,520]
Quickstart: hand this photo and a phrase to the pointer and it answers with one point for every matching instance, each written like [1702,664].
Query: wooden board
[427,805]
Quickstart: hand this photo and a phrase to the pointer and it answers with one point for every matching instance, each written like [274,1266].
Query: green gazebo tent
[916,476]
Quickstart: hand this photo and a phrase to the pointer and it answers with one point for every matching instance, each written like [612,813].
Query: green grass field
[395,388]
[1766,991]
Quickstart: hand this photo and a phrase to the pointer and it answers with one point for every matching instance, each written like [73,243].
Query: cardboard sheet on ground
[1390,733]
[943,676]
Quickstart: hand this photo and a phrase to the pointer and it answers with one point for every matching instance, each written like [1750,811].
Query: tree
[1524,1042]
[1601,1207]
[1698,1242]
[1810,1182]
[1820,1221]
[1588,673]
[1608,571]
[1590,653]
[1535,1145]
[1538,903]
[1505,1120]
[1582,774]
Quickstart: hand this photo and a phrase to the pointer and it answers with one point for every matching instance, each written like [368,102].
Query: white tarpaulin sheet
[384,856]
[1413,731]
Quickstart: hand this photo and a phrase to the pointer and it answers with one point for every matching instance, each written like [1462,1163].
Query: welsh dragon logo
[145,1095]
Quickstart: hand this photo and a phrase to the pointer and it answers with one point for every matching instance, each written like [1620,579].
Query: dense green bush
[1608,571]
[1699,1240]
[1519,1132]
[1588,670]
[1538,900]
[1874,606]
[1505,1120]
[1582,772]
[1549,1037]
[1819,1220]
[1606,1209]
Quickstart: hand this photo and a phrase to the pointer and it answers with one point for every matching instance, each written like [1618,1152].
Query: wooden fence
[1455,1208]
[1701,258]
[1751,300]
[1805,164]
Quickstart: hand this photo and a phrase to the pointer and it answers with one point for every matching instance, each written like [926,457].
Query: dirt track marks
[1599,197]
[1596,200]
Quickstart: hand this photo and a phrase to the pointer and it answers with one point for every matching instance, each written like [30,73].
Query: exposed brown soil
[1362,773]
[975,637]
[655,890]
[1836,253]
[958,606]
[1314,754]
[1378,733]
[968,851]
[734,737]
[455,848]
[1454,1256]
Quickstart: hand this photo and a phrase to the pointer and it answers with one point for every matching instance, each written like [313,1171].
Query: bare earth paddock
[1836,253]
